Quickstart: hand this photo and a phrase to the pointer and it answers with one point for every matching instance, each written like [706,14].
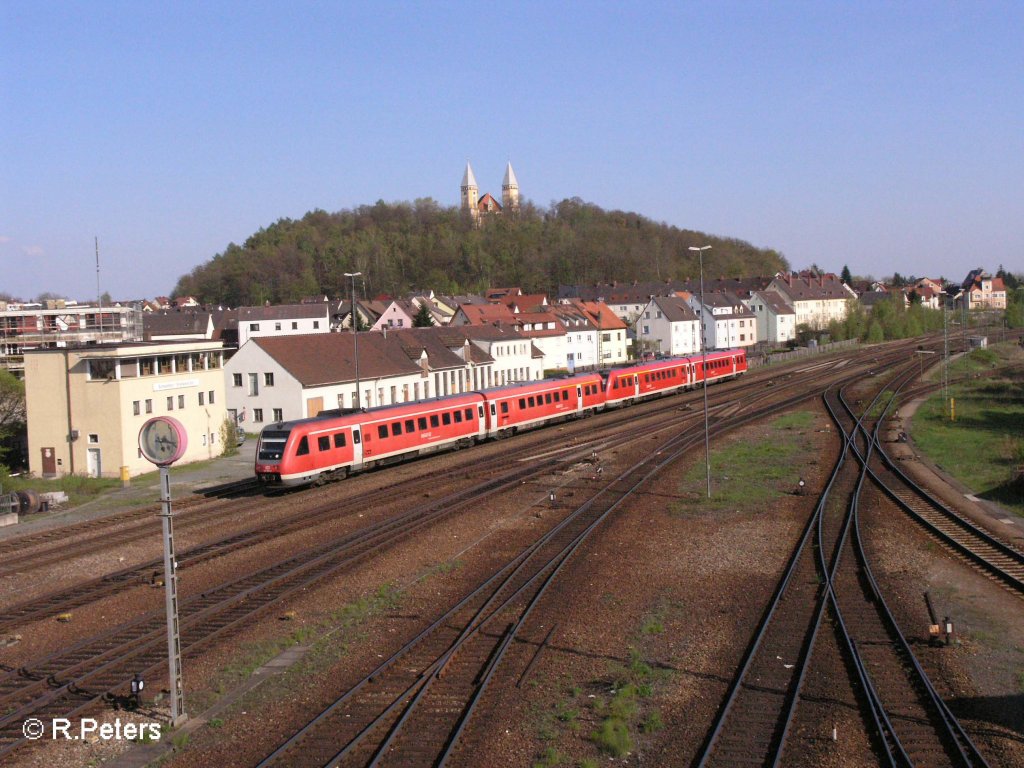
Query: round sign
[163,440]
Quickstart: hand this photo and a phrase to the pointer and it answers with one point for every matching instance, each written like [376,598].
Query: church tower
[510,190]
[470,191]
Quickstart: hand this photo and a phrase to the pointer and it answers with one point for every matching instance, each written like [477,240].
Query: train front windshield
[271,446]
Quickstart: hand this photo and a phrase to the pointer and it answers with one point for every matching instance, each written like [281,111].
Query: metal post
[178,715]
[703,364]
[355,336]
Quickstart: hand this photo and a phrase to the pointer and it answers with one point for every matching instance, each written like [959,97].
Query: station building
[85,405]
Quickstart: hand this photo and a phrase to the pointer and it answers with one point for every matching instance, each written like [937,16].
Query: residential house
[726,321]
[282,320]
[982,291]
[816,299]
[670,325]
[612,336]
[776,320]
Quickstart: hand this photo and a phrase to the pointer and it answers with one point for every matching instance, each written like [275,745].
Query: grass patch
[745,473]
[612,736]
[984,447]
[79,488]
[550,758]
[325,646]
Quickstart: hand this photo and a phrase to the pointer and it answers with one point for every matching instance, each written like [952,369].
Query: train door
[579,399]
[636,385]
[492,427]
[357,448]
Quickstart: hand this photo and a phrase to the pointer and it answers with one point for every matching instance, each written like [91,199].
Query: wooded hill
[400,247]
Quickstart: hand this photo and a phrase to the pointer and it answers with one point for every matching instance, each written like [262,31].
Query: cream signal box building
[86,405]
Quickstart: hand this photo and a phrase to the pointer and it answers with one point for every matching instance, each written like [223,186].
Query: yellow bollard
[952,409]
[126,480]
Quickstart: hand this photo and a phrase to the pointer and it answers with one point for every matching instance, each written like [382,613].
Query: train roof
[337,413]
[552,381]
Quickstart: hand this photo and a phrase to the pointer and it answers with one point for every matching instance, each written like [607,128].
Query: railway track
[606,436]
[911,724]
[68,683]
[915,725]
[414,707]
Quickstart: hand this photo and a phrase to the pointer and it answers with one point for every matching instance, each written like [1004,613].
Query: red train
[326,447]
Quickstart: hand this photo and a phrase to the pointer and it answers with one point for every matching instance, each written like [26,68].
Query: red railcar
[323,447]
[533,403]
[326,446]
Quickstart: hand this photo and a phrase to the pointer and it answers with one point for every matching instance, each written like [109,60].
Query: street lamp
[703,362]
[355,334]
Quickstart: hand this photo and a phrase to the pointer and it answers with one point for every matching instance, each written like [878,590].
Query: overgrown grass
[751,475]
[325,648]
[984,446]
[79,488]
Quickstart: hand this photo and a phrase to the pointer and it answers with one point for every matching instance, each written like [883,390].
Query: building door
[93,466]
[49,462]
[314,405]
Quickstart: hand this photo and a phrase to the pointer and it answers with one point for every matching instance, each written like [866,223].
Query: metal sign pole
[178,715]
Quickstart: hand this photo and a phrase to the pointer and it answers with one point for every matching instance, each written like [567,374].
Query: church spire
[470,192]
[510,189]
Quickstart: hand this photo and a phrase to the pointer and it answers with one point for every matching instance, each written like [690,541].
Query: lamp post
[703,362]
[355,335]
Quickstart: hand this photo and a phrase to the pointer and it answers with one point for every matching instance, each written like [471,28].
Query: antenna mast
[99,296]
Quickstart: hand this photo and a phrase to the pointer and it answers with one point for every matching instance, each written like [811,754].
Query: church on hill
[477,206]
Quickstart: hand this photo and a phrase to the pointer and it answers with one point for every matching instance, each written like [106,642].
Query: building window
[204,439]
[278,414]
[257,415]
[316,324]
[254,326]
[295,326]
[181,401]
[170,403]
[268,379]
[254,384]
[94,439]
[102,370]
[136,408]
[202,398]
[209,397]
[236,379]
[149,406]
[277,326]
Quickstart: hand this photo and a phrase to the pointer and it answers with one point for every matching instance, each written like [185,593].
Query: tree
[12,403]
[423,318]
[846,276]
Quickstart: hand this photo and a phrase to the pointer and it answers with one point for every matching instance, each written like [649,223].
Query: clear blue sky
[886,136]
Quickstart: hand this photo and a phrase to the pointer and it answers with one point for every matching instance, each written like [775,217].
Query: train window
[382,430]
[469,412]
[446,418]
[530,401]
[434,421]
[396,428]
[323,443]
[410,425]
[615,384]
[339,439]
[547,398]
[356,436]
[504,406]
[458,417]
[271,445]
[421,422]
[303,448]
[522,403]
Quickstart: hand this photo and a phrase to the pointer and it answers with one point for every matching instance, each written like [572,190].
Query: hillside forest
[403,247]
